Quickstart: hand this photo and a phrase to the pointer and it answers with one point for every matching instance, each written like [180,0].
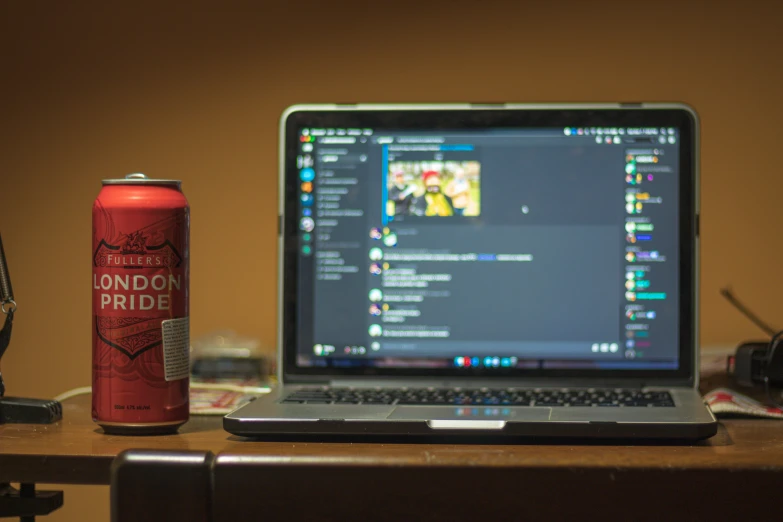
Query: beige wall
[193,90]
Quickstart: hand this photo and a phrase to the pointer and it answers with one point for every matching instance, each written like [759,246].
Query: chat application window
[548,248]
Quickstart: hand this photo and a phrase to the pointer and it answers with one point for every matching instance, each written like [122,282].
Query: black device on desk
[756,363]
[748,364]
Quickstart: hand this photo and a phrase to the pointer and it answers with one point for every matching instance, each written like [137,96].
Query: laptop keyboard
[484,396]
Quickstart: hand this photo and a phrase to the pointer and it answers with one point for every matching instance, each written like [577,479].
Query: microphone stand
[17,410]
[25,502]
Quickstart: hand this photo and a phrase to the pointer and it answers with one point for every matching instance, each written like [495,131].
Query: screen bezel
[431,117]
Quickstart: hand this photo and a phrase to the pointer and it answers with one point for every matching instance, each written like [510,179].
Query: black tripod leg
[27,503]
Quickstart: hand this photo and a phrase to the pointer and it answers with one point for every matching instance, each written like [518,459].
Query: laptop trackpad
[470,414]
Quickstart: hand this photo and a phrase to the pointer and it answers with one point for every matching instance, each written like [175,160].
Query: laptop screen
[488,248]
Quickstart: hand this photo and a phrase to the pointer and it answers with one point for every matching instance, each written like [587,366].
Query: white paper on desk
[728,402]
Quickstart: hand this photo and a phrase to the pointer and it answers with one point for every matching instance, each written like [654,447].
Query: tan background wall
[193,90]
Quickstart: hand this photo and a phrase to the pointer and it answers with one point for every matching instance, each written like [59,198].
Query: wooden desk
[745,458]
[75,451]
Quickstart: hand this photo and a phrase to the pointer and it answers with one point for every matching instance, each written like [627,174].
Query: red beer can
[140,326]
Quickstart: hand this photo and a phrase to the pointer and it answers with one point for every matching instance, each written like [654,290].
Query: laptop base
[270,417]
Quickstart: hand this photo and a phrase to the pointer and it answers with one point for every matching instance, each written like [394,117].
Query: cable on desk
[73,393]
[249,390]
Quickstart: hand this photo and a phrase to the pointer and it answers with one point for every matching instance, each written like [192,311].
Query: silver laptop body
[503,271]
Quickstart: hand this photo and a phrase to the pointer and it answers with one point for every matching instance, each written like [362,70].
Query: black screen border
[432,118]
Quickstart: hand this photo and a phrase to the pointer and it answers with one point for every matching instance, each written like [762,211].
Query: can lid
[137,178]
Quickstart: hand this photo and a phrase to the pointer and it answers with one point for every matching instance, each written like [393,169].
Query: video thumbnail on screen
[434,188]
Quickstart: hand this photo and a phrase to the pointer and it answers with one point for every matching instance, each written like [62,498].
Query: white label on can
[176,348]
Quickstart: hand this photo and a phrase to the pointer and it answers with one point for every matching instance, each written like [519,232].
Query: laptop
[486,270]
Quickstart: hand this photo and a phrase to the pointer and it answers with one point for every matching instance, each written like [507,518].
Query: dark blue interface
[494,248]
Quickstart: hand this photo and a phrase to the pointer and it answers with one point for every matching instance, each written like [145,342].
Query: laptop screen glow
[551,248]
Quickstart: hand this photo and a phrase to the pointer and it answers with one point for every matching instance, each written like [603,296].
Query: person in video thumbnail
[401,194]
[438,203]
[458,190]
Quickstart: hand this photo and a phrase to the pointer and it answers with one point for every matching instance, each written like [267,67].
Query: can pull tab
[136,175]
